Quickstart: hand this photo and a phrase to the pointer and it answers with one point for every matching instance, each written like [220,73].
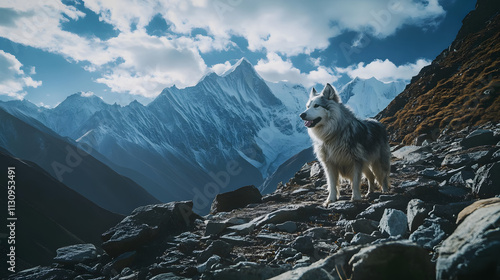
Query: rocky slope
[460,88]
[439,221]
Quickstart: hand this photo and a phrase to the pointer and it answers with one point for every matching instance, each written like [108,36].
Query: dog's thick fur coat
[345,145]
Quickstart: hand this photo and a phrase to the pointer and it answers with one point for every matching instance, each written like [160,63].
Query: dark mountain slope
[50,215]
[460,87]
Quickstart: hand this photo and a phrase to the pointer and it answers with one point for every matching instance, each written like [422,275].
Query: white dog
[345,145]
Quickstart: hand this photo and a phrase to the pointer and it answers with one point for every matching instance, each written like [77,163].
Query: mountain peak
[241,65]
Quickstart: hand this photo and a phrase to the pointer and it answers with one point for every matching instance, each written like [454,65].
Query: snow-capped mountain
[367,97]
[227,131]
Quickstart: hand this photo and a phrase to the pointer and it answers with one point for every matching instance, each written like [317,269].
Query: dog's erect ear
[313,93]
[330,93]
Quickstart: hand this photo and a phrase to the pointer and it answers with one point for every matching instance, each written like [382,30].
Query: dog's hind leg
[382,175]
[332,177]
[371,179]
[356,182]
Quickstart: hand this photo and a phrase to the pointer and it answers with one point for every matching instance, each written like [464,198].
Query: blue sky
[126,50]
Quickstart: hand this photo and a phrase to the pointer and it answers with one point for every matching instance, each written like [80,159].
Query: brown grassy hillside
[459,89]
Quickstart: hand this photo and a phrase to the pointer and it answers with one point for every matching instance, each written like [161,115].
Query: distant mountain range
[229,130]
[367,97]
[67,162]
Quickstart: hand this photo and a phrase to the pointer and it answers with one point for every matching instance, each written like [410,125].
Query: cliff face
[460,87]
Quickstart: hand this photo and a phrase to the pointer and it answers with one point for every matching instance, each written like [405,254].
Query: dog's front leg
[356,182]
[332,177]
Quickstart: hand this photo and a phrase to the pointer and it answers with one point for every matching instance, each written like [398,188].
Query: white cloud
[384,70]
[38,24]
[141,64]
[287,27]
[152,63]
[87,93]
[220,68]
[275,69]
[13,80]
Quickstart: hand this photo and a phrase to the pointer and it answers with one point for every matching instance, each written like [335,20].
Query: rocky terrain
[440,220]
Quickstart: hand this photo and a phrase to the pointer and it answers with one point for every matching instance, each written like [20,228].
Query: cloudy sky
[123,50]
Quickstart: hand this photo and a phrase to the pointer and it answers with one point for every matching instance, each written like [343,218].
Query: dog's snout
[303,115]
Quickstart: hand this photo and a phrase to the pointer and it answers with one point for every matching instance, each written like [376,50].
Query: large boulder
[471,252]
[145,224]
[239,198]
[392,260]
[478,138]
[393,222]
[416,212]
[78,253]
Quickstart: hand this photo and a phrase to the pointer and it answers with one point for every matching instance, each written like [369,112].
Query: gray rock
[243,229]
[375,211]
[73,254]
[272,237]
[287,226]
[394,222]
[392,260]
[316,170]
[433,174]
[214,228]
[408,184]
[147,223]
[416,212]
[412,154]
[39,272]
[168,276]
[316,233]
[487,180]
[471,252]
[363,225]
[431,232]
[362,238]
[286,252]
[458,160]
[479,137]
[329,268]
[292,213]
[119,263]
[461,178]
[218,247]
[303,244]
[247,271]
[449,211]
[239,198]
[215,259]
[348,208]
[236,240]
[453,192]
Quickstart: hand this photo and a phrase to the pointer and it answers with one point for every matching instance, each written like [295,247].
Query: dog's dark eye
[316,105]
